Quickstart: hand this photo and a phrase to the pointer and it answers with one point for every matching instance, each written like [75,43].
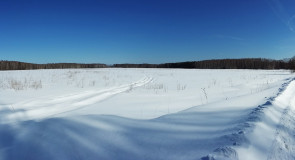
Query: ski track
[45,108]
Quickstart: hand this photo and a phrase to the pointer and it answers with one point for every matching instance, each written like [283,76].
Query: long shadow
[112,137]
[185,135]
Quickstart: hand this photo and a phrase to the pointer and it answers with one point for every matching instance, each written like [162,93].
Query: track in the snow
[47,107]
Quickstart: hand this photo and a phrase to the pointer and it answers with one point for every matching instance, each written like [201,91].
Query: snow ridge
[284,131]
[283,146]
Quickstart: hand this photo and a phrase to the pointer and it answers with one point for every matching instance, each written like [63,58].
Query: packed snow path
[49,106]
[242,123]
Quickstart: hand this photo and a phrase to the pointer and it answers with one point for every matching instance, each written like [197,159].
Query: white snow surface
[147,114]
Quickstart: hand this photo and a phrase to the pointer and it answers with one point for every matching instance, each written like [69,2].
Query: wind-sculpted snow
[179,136]
[252,119]
[240,138]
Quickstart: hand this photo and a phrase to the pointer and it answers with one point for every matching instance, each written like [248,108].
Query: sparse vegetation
[181,87]
[18,85]
[205,94]
[156,87]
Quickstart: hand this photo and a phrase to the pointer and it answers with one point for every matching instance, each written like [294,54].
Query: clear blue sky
[150,31]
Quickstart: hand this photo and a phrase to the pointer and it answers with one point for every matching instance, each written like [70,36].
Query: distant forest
[15,65]
[246,63]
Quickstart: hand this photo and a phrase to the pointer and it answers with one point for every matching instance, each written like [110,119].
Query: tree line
[245,63]
[15,65]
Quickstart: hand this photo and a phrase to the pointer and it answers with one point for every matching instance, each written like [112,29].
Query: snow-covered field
[147,114]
